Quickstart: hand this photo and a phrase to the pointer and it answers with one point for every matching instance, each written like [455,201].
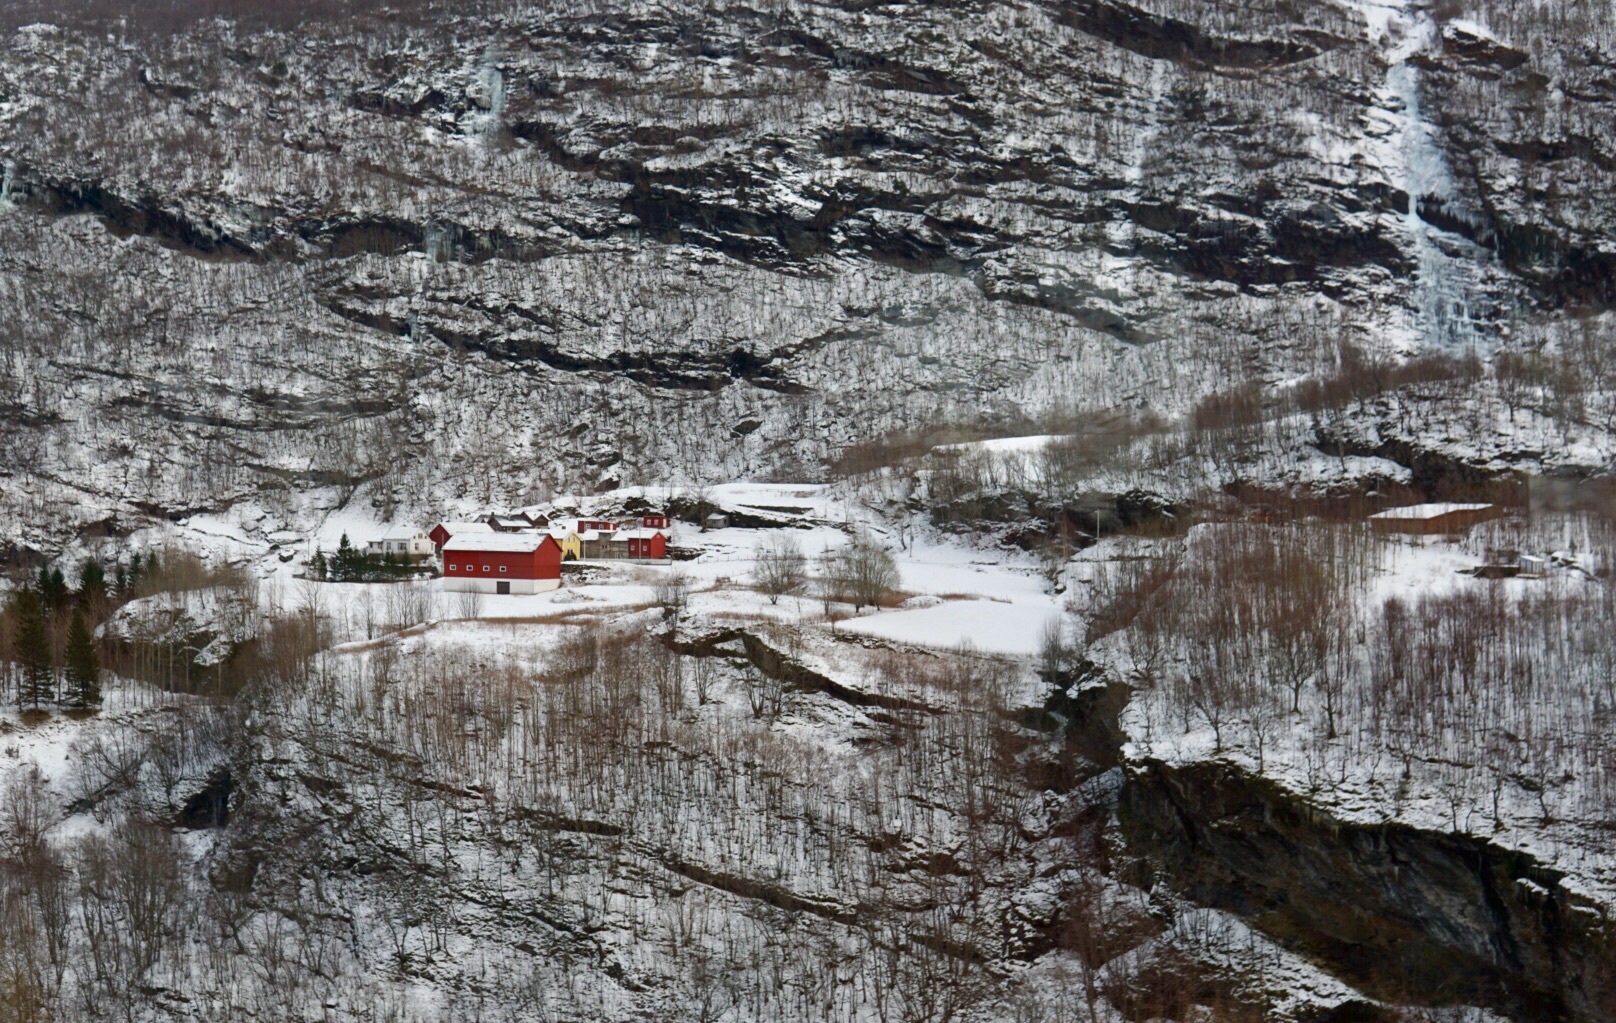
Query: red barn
[655,520]
[501,563]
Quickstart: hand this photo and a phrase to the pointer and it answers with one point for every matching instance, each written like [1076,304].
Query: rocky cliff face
[559,248]
[1393,909]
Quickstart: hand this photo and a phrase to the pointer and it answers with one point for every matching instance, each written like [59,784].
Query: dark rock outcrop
[1402,913]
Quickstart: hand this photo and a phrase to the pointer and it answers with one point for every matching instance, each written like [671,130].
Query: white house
[401,542]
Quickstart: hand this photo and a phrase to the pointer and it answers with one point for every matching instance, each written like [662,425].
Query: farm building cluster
[644,538]
[521,553]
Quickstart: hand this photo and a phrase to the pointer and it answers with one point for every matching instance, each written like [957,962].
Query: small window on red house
[486,568]
[502,568]
[450,566]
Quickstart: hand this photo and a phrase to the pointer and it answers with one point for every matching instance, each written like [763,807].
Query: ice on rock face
[1441,303]
[488,92]
[1443,283]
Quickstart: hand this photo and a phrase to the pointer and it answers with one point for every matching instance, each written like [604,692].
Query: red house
[639,543]
[585,525]
[655,520]
[501,563]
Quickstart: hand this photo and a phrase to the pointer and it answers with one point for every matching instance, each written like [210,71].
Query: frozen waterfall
[1445,263]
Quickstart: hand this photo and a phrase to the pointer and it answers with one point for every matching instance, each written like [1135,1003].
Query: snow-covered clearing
[988,626]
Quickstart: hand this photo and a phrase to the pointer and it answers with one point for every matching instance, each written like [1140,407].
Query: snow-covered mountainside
[433,254]
[1019,380]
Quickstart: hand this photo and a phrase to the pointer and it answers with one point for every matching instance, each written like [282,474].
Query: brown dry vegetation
[1255,630]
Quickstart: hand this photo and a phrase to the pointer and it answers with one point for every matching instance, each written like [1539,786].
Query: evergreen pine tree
[135,568]
[42,587]
[55,591]
[92,583]
[33,650]
[342,563]
[120,579]
[317,565]
[83,665]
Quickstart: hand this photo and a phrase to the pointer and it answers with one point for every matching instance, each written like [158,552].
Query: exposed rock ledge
[1404,914]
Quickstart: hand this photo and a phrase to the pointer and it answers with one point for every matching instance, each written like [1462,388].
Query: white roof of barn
[1427,511]
[456,528]
[508,543]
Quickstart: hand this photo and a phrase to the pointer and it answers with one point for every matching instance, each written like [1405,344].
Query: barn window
[450,566]
[502,568]
[485,568]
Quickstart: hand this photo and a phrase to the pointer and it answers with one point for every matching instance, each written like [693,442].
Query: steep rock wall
[243,263]
[1405,914]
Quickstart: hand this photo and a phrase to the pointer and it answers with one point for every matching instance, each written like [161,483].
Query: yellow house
[572,545]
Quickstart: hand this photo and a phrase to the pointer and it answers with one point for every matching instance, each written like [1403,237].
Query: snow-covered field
[988,626]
